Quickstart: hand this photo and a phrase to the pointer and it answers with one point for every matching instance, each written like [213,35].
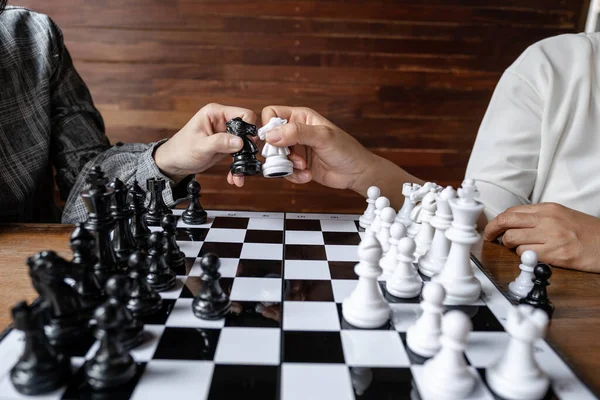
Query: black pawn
[40,369]
[157,207]
[211,302]
[117,289]
[139,228]
[123,240]
[194,214]
[100,222]
[83,245]
[244,161]
[174,256]
[111,366]
[160,277]
[538,297]
[143,301]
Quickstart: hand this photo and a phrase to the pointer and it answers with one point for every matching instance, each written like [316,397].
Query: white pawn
[381,203]
[424,236]
[516,375]
[276,158]
[390,260]
[433,261]
[405,282]
[385,223]
[423,337]
[521,286]
[366,307]
[447,374]
[368,216]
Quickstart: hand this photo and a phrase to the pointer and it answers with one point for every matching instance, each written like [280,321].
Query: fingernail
[235,142]
[274,136]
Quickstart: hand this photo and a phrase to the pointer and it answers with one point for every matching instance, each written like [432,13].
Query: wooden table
[576,295]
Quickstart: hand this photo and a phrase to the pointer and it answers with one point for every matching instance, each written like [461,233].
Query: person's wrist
[370,175]
[163,160]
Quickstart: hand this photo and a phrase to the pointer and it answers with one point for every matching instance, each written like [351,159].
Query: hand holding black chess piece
[123,240]
[157,207]
[139,228]
[194,214]
[538,296]
[41,369]
[143,301]
[160,277]
[112,365]
[211,302]
[174,256]
[244,161]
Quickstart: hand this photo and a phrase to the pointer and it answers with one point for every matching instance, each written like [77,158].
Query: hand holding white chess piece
[276,162]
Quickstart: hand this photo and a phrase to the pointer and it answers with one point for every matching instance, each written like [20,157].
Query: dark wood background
[410,79]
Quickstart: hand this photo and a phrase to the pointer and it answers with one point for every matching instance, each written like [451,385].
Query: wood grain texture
[576,295]
[411,80]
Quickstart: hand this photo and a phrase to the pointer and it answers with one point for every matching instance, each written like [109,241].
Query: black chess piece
[117,290]
[174,256]
[194,214]
[244,161]
[157,207]
[538,296]
[100,222]
[40,369]
[160,277]
[211,302]
[123,240]
[83,245]
[112,366]
[66,322]
[139,228]
[143,301]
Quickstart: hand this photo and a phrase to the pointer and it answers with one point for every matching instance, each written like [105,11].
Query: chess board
[287,275]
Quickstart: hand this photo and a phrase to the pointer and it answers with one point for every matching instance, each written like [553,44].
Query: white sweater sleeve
[505,155]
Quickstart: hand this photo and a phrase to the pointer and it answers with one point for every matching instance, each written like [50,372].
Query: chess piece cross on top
[468,192]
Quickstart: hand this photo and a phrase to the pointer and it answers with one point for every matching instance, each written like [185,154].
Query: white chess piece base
[534,388]
[277,166]
[460,290]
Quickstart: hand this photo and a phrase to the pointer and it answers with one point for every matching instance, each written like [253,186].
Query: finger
[301,115]
[298,161]
[230,178]
[291,134]
[513,238]
[220,143]
[217,115]
[508,220]
[238,181]
[300,177]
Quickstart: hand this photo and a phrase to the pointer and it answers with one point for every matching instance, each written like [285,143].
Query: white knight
[276,161]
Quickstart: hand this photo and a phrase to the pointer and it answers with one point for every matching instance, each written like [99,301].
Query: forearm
[388,177]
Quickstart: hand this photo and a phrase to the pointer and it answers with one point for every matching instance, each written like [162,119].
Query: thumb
[315,136]
[222,142]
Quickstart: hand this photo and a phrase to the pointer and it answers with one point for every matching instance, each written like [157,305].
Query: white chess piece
[415,215]
[381,203]
[424,236]
[457,277]
[368,216]
[385,223]
[423,337]
[403,215]
[389,261]
[405,282]
[447,374]
[433,261]
[516,375]
[366,307]
[276,158]
[521,286]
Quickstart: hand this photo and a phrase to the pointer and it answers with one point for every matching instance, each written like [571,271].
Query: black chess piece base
[38,378]
[118,372]
[211,309]
[145,307]
[162,282]
[195,218]
[133,336]
[177,263]
[245,166]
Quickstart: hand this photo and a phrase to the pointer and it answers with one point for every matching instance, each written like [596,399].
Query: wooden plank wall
[410,79]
